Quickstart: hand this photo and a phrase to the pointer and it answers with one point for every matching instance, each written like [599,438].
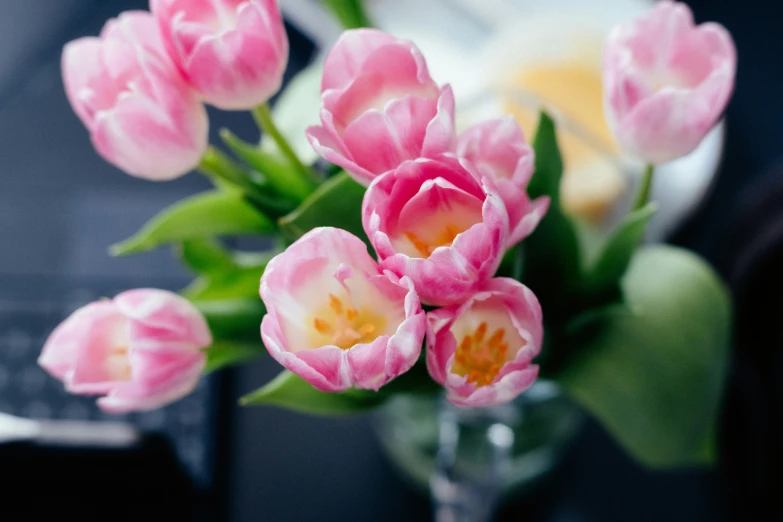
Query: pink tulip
[432,221]
[497,149]
[481,350]
[141,115]
[379,106]
[140,351]
[334,318]
[666,82]
[233,52]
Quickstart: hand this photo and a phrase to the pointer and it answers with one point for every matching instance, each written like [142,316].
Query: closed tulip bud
[139,351]
[233,52]
[379,106]
[666,82]
[141,115]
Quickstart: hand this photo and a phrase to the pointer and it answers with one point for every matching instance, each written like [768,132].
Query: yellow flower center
[479,358]
[118,364]
[344,326]
[445,238]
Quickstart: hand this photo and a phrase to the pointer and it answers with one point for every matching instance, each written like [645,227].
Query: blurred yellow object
[591,181]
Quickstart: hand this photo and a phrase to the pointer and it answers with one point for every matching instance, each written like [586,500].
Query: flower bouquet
[415,259]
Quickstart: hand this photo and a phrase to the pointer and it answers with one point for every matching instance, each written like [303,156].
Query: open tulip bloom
[419,257]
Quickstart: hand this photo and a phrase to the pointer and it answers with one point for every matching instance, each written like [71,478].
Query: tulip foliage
[422,258]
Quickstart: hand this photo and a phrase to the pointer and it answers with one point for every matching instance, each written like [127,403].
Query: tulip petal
[440,136]
[168,317]
[141,115]
[163,377]
[349,54]
[138,138]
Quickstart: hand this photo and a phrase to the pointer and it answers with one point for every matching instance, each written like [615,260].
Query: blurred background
[204,458]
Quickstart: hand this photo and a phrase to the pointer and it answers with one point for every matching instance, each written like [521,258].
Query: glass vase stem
[473,461]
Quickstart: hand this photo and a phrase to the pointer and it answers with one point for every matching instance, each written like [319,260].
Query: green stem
[351,13]
[263,117]
[644,191]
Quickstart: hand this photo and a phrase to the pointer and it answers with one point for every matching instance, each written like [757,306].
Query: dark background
[61,206]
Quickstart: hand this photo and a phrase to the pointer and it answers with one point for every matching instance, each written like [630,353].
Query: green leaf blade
[210,214]
[275,171]
[233,319]
[552,255]
[205,256]
[238,283]
[616,255]
[336,203]
[223,354]
[548,163]
[290,391]
[654,377]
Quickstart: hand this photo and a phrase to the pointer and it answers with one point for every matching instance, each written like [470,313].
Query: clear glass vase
[468,459]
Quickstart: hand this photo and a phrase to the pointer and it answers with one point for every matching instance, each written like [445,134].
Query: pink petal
[440,136]
[325,144]
[346,58]
[78,333]
[159,378]
[164,316]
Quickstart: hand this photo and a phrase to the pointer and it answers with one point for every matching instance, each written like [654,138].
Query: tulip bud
[141,115]
[666,82]
[379,106]
[139,351]
[233,52]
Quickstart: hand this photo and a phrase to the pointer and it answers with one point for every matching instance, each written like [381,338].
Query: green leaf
[549,162]
[288,390]
[276,171]
[206,256]
[239,283]
[205,215]
[229,176]
[233,319]
[224,275]
[225,353]
[653,375]
[616,254]
[336,203]
[552,257]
